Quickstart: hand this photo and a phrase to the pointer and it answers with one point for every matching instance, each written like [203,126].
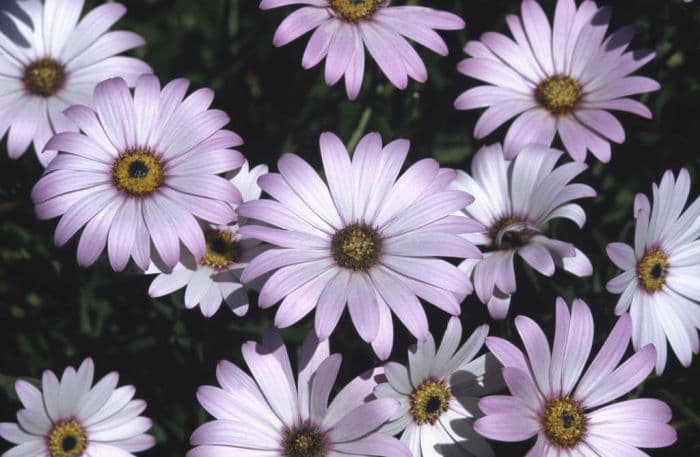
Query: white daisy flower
[660,282]
[217,277]
[72,418]
[515,200]
[55,61]
[438,393]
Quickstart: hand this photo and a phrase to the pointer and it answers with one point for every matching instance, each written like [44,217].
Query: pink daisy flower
[143,170]
[216,277]
[272,415]
[54,63]
[564,409]
[659,282]
[365,239]
[438,393]
[514,201]
[72,418]
[342,29]
[556,79]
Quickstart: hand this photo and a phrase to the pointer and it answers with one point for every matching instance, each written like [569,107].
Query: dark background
[53,313]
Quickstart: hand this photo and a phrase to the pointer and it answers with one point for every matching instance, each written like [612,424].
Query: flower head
[659,282]
[271,414]
[551,399]
[438,393]
[54,62]
[561,78]
[216,277]
[514,202]
[365,239]
[143,170]
[72,418]
[342,29]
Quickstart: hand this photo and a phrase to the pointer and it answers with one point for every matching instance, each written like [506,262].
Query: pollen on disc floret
[138,173]
[355,10]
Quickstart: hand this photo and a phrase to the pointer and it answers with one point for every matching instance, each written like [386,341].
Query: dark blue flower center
[69,443]
[138,169]
[433,405]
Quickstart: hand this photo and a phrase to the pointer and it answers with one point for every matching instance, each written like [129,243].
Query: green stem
[7,384]
[681,407]
[361,126]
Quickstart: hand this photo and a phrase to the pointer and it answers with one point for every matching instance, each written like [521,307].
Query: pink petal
[625,378]
[522,386]
[269,364]
[298,23]
[506,427]
[331,304]
[323,380]
[537,349]
[607,359]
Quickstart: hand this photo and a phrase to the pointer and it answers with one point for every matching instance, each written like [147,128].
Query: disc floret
[652,270]
[356,247]
[306,440]
[355,10]
[67,439]
[138,173]
[429,401]
[559,94]
[222,249]
[44,77]
[564,422]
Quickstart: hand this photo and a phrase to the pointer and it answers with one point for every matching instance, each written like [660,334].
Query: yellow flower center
[305,441]
[356,247]
[564,422]
[356,10]
[222,249]
[652,269]
[138,173]
[559,94]
[67,439]
[429,401]
[44,77]
[510,233]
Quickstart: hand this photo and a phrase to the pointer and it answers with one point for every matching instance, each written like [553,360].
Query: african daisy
[551,399]
[365,239]
[659,282]
[272,415]
[56,63]
[438,393]
[143,170]
[556,79]
[342,29]
[216,277]
[72,418]
[514,201]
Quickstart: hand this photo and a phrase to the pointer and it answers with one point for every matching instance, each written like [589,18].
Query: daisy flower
[438,393]
[143,170]
[514,202]
[365,239]
[56,62]
[574,414]
[216,277]
[72,418]
[659,282]
[556,79]
[342,29]
[272,415]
